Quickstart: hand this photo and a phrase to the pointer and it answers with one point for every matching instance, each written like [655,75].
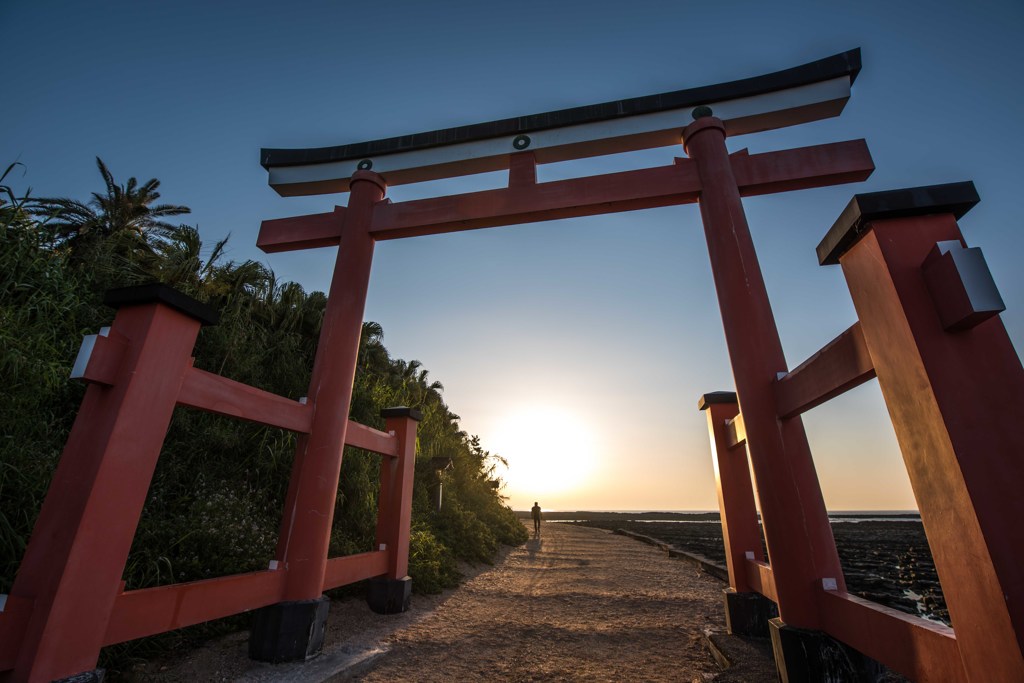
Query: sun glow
[549,451]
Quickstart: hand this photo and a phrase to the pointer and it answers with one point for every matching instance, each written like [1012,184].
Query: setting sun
[549,451]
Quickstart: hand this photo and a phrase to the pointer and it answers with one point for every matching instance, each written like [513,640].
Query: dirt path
[578,603]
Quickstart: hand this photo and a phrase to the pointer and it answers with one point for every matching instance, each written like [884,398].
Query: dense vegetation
[214,504]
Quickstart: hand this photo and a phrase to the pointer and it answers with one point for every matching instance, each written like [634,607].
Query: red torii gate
[63,608]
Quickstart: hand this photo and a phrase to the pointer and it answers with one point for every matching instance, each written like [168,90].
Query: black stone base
[747,614]
[289,631]
[804,656]
[94,676]
[389,596]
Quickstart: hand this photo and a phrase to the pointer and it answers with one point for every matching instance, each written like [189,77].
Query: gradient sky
[577,348]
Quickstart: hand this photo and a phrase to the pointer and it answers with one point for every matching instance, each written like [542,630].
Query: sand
[576,604]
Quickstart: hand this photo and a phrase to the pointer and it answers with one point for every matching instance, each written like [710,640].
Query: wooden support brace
[216,394]
[301,232]
[150,611]
[522,169]
[920,650]
[370,439]
[761,579]
[342,571]
[736,431]
[841,365]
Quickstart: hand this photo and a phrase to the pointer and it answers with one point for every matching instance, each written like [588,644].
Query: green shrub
[462,531]
[431,565]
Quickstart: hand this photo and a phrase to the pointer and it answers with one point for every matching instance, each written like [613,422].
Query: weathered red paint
[957,403]
[796,525]
[313,489]
[740,529]
[72,566]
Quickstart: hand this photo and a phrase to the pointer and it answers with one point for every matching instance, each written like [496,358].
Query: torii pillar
[796,526]
[294,629]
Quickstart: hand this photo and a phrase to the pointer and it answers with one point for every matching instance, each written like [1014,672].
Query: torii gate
[58,617]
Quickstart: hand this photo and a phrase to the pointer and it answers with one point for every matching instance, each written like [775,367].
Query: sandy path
[579,603]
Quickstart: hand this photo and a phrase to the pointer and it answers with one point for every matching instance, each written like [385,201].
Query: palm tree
[109,236]
[181,263]
[121,208]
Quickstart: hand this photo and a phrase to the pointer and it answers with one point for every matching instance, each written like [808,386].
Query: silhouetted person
[535,510]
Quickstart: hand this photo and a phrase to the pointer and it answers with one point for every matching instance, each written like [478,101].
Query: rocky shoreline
[885,561]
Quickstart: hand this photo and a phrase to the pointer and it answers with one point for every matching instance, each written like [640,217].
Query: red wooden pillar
[954,387]
[391,592]
[796,525]
[746,611]
[740,530]
[330,393]
[294,628]
[75,558]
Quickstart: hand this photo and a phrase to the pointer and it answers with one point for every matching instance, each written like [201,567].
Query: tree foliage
[215,502]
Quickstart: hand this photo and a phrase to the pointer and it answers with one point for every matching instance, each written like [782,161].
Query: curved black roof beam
[801,94]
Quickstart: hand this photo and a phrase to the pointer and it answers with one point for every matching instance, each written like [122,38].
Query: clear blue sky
[608,325]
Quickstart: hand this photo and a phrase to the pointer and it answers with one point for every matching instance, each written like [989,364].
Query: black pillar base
[805,656]
[94,676]
[289,631]
[389,596]
[747,614]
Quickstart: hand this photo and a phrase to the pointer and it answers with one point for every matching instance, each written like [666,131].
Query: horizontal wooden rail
[220,395]
[150,611]
[919,649]
[839,366]
[625,191]
[370,439]
[801,168]
[816,166]
[342,571]
[301,232]
[761,579]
